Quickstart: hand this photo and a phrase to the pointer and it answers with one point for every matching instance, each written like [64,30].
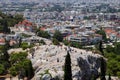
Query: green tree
[67,69]
[55,41]
[5,48]
[66,42]
[103,69]
[76,44]
[102,32]
[43,34]
[57,35]
[2,69]
[29,71]
[117,48]
[5,26]
[13,71]
[42,42]
[109,78]
[22,66]
[109,49]
[101,48]
[20,41]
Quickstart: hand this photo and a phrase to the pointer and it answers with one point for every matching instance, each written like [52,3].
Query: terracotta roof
[109,31]
[25,23]
[42,28]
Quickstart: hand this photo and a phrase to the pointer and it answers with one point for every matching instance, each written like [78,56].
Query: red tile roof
[25,23]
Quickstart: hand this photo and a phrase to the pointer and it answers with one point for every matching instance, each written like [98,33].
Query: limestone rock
[50,57]
[46,77]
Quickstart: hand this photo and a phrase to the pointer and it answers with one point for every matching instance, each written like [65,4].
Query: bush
[42,42]
[109,48]
[55,41]
[75,44]
[13,71]
[66,42]
[22,66]
[25,45]
[25,35]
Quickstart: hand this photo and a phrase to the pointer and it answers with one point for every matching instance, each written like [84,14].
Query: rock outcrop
[50,59]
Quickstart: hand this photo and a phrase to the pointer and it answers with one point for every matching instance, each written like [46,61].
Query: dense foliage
[57,35]
[15,63]
[11,19]
[20,65]
[43,34]
[55,41]
[25,45]
[7,21]
[113,59]
[102,32]
[103,69]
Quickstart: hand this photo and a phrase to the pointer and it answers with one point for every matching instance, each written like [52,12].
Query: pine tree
[20,41]
[103,69]
[67,70]
[100,48]
[5,26]
[109,77]
[6,47]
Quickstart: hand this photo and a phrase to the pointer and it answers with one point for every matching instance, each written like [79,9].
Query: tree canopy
[57,35]
[20,65]
[43,34]
[102,32]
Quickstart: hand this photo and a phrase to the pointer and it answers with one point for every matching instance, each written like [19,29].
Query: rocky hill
[48,61]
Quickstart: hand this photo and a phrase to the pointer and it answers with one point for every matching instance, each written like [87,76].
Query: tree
[103,69]
[117,48]
[109,77]
[57,35]
[5,48]
[109,49]
[100,48]
[22,66]
[55,41]
[43,34]
[102,32]
[20,41]
[66,42]
[42,42]
[67,69]
[75,44]
[5,26]
[29,71]
[2,69]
